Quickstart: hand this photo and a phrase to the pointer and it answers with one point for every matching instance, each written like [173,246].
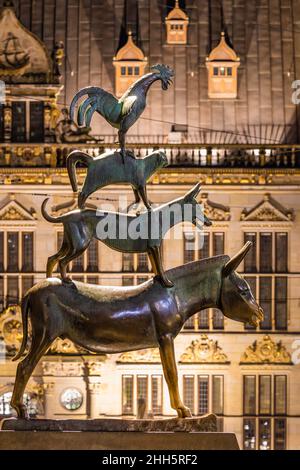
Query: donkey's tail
[25,312]
[48,217]
[72,160]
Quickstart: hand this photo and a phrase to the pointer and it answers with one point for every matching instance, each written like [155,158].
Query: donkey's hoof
[21,411]
[184,412]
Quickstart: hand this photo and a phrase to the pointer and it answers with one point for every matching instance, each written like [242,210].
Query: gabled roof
[223,52]
[177,13]
[130,51]
[268,210]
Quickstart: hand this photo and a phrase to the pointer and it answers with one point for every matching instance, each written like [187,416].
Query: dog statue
[108,169]
[82,225]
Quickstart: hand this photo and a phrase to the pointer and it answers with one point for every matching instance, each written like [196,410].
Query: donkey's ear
[193,193]
[234,262]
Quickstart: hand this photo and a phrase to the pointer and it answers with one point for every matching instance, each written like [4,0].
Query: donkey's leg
[167,354]
[39,346]
[137,198]
[52,260]
[157,266]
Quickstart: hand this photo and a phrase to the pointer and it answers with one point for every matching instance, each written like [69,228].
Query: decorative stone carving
[143,356]
[63,369]
[11,329]
[267,210]
[22,54]
[222,65]
[266,351]
[95,367]
[204,350]
[64,346]
[214,211]
[13,210]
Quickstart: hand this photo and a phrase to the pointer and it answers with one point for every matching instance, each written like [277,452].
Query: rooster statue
[122,113]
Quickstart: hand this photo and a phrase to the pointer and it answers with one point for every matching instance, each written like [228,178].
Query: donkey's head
[236,299]
[193,211]
[163,73]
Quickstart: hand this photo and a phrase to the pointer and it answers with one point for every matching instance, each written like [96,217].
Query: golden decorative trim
[266,351]
[143,356]
[204,350]
[214,211]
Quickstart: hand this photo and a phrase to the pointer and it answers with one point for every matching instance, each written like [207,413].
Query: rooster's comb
[164,70]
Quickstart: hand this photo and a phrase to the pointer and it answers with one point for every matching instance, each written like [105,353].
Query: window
[142,395]
[13,251]
[208,244]
[27,121]
[229,71]
[197,395]
[156,397]
[1,123]
[71,399]
[271,292]
[1,251]
[36,131]
[267,397]
[269,253]
[88,262]
[27,251]
[249,395]
[18,131]
[30,401]
[135,262]
[127,395]
[216,71]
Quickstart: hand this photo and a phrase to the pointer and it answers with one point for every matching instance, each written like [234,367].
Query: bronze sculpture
[108,169]
[67,131]
[122,113]
[81,226]
[118,319]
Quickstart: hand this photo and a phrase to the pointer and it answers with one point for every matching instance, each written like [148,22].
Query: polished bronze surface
[81,226]
[108,169]
[118,319]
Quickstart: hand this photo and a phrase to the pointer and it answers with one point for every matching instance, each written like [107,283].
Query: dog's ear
[193,193]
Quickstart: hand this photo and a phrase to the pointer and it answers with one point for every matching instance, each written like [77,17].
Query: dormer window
[177,24]
[222,65]
[130,64]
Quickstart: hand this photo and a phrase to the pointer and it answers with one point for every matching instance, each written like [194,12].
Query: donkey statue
[119,319]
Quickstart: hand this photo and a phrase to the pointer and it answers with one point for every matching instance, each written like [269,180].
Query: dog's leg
[157,266]
[52,260]
[143,195]
[63,263]
[167,354]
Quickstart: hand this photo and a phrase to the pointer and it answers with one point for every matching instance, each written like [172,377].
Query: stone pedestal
[115,434]
[129,441]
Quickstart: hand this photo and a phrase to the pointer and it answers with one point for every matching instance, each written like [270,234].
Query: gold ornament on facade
[214,211]
[63,368]
[266,351]
[204,350]
[64,346]
[143,356]
[11,328]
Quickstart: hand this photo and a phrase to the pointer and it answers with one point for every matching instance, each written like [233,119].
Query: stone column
[48,399]
[94,390]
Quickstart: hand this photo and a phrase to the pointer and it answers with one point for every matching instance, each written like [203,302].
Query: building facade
[229,122]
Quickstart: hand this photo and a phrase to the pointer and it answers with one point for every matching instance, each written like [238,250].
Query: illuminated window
[130,64]
[222,65]
[177,25]
[197,396]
